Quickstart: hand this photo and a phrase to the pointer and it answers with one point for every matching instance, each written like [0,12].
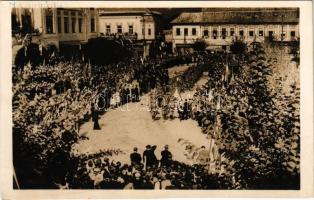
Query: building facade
[136,25]
[219,27]
[65,28]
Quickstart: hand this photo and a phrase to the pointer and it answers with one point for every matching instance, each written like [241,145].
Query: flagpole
[15,178]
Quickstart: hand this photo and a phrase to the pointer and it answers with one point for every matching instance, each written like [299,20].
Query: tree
[238,47]
[199,46]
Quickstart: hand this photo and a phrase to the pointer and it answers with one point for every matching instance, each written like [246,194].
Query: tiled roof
[238,17]
[125,11]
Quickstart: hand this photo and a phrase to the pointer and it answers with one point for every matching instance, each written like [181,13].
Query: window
[92,25]
[223,33]
[80,20]
[241,33]
[178,31]
[66,24]
[206,33]
[14,22]
[26,21]
[73,21]
[59,25]
[49,21]
[130,29]
[108,29]
[193,31]
[251,33]
[292,33]
[215,34]
[149,31]
[231,31]
[270,35]
[119,29]
[186,31]
[260,33]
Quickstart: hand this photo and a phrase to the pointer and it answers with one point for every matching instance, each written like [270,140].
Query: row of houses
[219,27]
[70,28]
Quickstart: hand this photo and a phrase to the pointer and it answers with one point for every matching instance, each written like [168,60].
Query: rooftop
[125,11]
[239,16]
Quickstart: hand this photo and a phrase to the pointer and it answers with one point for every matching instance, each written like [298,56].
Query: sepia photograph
[155,98]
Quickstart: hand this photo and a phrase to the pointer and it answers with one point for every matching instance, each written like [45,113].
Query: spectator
[166,157]
[135,157]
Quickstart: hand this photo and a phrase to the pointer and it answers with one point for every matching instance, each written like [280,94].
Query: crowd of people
[167,103]
[51,102]
[99,171]
[239,109]
[70,89]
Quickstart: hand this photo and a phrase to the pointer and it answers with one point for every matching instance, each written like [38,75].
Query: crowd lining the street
[51,101]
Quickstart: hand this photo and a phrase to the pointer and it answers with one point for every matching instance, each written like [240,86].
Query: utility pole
[144,41]
[184,41]
[282,16]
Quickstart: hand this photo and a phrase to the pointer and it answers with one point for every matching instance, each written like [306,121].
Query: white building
[138,25]
[66,28]
[218,27]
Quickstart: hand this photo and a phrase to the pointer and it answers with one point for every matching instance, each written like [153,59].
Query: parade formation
[201,119]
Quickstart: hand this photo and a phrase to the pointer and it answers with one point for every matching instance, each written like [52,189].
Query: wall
[276,28]
[137,22]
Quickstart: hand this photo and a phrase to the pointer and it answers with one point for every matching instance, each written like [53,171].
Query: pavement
[131,125]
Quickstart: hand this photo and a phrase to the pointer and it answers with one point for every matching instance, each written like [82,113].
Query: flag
[218,106]
[90,68]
